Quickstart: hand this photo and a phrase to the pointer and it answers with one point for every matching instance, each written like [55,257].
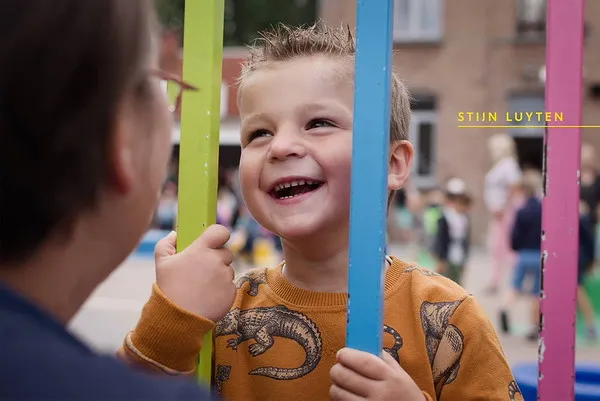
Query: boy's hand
[359,375]
[199,279]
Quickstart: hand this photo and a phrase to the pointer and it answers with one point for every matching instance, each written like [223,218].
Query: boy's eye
[319,123]
[257,134]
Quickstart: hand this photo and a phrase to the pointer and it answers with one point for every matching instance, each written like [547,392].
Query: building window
[531,19]
[418,20]
[519,105]
[423,126]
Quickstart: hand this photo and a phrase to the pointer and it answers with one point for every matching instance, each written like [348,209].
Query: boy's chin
[298,231]
[306,233]
[298,234]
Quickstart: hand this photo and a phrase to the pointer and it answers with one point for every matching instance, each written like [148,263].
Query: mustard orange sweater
[278,342]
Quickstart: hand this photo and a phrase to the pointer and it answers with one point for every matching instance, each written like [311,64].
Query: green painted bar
[200,124]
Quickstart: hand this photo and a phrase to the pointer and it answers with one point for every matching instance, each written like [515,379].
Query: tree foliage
[244,18]
[170,13]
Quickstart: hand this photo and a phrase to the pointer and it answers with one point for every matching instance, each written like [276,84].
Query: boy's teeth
[279,187]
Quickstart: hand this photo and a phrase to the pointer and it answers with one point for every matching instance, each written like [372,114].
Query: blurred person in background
[590,188]
[227,202]
[526,237]
[588,232]
[394,218]
[404,218]
[590,180]
[432,200]
[499,183]
[414,205]
[242,239]
[166,212]
[585,265]
[453,235]
[85,135]
[252,244]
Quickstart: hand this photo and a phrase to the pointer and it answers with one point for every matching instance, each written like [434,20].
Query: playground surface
[115,306]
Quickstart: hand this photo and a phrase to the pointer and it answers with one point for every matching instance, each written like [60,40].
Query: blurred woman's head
[84,124]
[501,146]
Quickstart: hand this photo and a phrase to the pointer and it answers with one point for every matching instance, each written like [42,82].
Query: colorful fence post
[560,225]
[368,200]
[200,121]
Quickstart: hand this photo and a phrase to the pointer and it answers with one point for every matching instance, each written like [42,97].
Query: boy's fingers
[349,380]
[339,394]
[363,363]
[166,246]
[389,360]
[225,255]
[214,237]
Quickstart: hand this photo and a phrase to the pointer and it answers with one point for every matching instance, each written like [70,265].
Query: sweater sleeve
[167,339]
[469,362]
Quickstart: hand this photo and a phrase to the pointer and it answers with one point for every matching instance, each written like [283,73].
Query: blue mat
[587,381]
[146,246]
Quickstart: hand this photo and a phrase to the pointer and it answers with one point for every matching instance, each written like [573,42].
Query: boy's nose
[285,145]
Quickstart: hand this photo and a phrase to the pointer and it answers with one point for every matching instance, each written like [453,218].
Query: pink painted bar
[564,56]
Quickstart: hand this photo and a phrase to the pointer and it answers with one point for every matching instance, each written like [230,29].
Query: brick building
[455,56]
[485,55]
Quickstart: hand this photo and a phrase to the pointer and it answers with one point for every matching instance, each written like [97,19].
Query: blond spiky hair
[284,43]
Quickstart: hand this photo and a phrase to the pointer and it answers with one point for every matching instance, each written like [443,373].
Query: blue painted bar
[368,199]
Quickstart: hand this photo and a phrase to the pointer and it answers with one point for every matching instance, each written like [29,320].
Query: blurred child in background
[526,238]
[452,237]
[251,244]
[586,262]
[227,202]
[432,201]
[166,211]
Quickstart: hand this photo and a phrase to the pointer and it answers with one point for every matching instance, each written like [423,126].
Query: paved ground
[115,307]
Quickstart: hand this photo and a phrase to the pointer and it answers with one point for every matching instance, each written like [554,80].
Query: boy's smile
[293,189]
[297,146]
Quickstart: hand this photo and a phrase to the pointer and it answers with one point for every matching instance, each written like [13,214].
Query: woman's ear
[400,164]
[122,171]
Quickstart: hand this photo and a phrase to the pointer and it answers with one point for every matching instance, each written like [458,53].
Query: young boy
[284,335]
[452,239]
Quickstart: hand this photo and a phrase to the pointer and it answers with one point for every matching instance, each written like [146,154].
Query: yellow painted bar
[200,123]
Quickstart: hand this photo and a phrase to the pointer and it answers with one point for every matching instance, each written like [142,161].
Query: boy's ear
[400,164]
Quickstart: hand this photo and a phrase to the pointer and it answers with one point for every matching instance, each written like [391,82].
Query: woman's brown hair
[65,66]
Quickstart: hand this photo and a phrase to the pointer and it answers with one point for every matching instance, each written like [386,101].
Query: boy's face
[461,205]
[296,147]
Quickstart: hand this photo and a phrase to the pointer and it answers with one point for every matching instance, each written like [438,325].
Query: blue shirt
[527,229]
[41,361]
